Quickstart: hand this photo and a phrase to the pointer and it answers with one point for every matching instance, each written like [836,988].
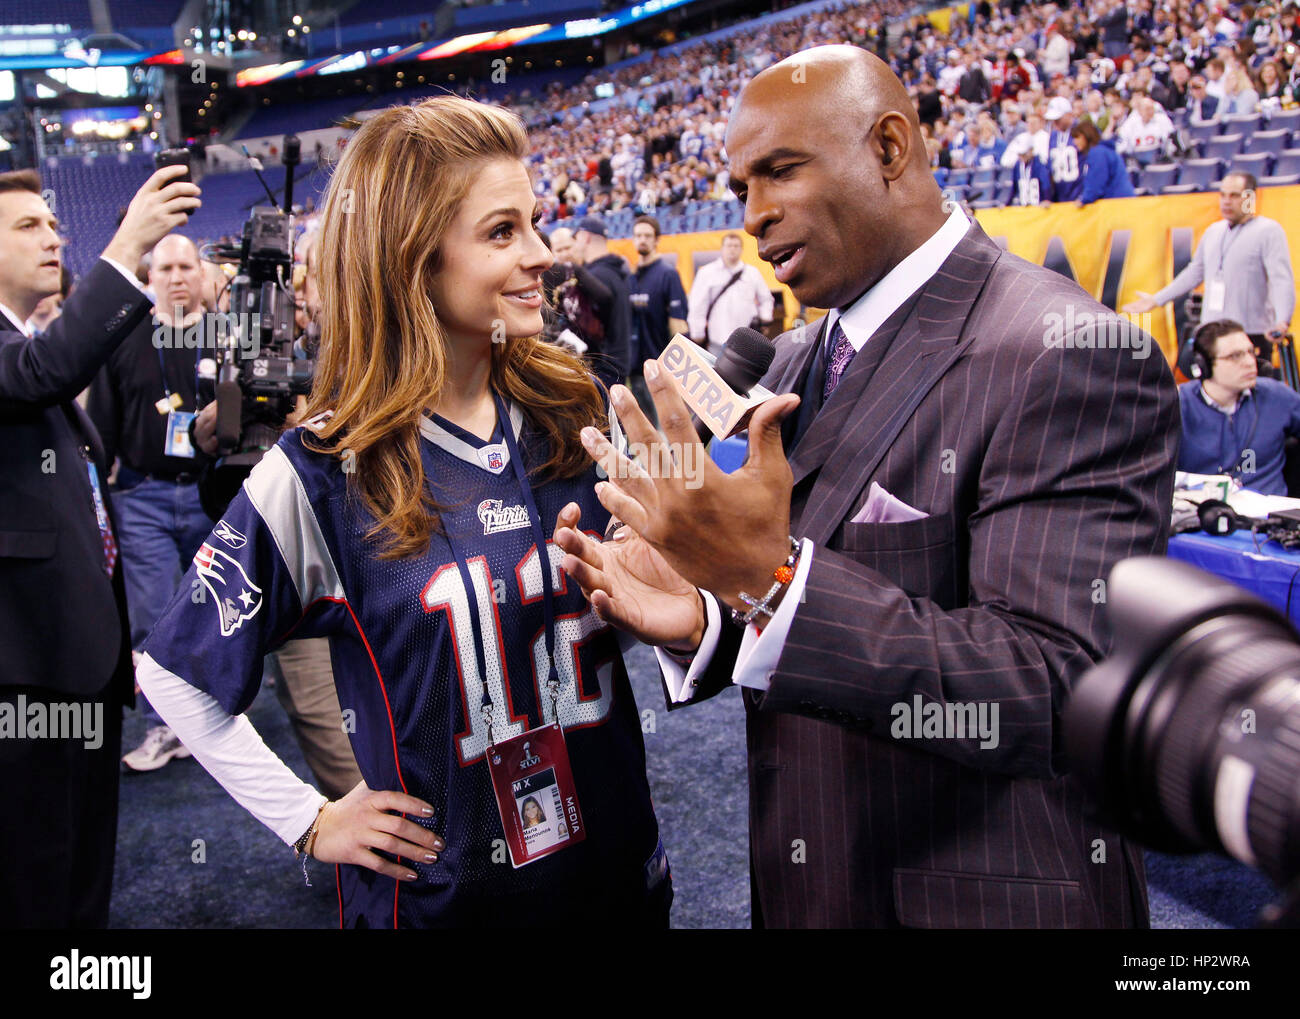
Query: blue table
[1272,573]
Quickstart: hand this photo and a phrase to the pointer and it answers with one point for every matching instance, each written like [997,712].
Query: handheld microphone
[722,393]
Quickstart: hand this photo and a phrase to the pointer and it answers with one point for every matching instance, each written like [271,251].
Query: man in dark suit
[972,444]
[65,648]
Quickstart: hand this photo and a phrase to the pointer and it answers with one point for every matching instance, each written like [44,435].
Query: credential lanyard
[1230,235]
[162,364]
[544,559]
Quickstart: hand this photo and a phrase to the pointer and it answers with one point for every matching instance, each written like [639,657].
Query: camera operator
[63,617]
[306,688]
[142,402]
[1235,422]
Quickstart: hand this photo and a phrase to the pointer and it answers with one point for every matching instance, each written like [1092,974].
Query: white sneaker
[160,746]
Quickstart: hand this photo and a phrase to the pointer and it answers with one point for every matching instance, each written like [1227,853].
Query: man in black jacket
[64,642]
[141,402]
[614,358]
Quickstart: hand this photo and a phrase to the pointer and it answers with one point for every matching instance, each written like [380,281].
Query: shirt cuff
[126,273]
[680,679]
[760,650]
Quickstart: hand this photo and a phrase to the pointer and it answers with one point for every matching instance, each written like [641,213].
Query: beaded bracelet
[783,574]
[307,841]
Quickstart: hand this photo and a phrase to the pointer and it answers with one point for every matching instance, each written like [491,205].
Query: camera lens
[1190,733]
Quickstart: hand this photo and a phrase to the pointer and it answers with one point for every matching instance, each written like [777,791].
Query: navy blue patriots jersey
[290,559]
[1063,161]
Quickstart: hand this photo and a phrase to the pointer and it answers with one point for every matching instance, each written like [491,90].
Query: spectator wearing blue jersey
[1062,156]
[1104,173]
[408,523]
[1033,184]
[990,148]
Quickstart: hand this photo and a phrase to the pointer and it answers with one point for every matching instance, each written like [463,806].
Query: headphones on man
[1201,365]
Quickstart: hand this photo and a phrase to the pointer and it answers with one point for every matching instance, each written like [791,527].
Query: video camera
[261,370]
[1189,733]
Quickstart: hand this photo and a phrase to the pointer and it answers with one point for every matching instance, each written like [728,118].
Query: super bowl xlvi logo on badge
[229,535]
[529,759]
[497,518]
[237,597]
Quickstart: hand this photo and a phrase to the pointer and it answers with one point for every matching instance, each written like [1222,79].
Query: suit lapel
[851,436]
[828,427]
[796,355]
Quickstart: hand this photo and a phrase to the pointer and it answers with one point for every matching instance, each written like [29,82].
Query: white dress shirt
[760,651]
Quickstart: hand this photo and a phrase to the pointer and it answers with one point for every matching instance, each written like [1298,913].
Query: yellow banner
[942,18]
[1112,249]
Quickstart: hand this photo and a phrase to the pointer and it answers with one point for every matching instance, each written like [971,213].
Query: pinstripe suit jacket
[1040,467]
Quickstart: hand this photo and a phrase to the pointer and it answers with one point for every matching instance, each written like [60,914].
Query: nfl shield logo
[494,460]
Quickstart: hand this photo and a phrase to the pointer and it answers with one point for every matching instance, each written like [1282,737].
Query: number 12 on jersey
[446,592]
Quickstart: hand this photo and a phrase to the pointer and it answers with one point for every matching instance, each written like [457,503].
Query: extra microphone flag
[719,407]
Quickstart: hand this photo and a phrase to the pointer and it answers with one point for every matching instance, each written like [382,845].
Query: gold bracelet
[315,829]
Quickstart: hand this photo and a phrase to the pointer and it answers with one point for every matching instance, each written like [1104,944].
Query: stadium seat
[1201,174]
[983,177]
[1285,120]
[1199,132]
[1224,147]
[1271,142]
[1158,176]
[957,177]
[1005,192]
[1287,162]
[1180,189]
[1279,181]
[1256,163]
[1244,124]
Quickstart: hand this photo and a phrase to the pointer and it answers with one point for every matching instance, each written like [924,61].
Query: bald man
[142,401]
[963,448]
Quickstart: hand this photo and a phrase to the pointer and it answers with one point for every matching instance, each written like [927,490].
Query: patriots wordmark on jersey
[290,558]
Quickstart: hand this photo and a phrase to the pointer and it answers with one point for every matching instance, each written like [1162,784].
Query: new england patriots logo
[237,597]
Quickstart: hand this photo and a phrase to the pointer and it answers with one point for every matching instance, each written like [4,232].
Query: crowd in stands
[1028,103]
[1023,77]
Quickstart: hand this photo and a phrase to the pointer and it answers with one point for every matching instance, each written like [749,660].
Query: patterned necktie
[841,354]
[101,514]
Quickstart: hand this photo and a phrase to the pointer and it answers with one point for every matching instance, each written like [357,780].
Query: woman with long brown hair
[408,522]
